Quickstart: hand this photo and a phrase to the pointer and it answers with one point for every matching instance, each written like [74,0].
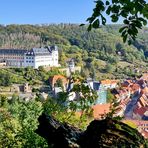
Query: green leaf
[122,28]
[143,20]
[96,24]
[108,11]
[115,9]
[124,13]
[123,33]
[90,19]
[114,18]
[145,11]
[107,2]
[126,21]
[89,27]
[81,24]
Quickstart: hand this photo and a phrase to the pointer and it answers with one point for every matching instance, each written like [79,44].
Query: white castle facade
[34,58]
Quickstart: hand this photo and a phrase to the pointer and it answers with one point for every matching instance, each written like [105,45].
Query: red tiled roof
[142,101]
[144,133]
[107,81]
[54,78]
[100,109]
[141,110]
[135,87]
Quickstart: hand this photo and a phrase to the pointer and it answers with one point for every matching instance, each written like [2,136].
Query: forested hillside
[100,50]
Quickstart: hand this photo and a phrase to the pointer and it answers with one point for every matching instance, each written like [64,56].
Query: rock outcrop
[99,134]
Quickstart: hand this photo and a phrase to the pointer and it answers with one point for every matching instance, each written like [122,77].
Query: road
[130,106]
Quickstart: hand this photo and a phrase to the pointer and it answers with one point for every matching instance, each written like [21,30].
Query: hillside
[87,48]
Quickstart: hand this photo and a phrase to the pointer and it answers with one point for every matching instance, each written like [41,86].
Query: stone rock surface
[107,133]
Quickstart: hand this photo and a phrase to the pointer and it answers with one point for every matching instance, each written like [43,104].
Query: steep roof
[41,51]
[54,78]
[13,51]
[38,52]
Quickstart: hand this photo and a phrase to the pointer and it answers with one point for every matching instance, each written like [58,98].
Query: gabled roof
[41,51]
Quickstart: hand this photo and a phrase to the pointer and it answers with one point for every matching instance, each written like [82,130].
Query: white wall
[55,57]
[29,61]
[42,60]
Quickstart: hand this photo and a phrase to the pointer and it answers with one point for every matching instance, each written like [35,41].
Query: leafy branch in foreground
[134,14]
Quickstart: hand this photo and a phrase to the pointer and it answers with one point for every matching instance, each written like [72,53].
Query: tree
[85,98]
[133,12]
[59,83]
[108,68]
[5,79]
[18,120]
[110,96]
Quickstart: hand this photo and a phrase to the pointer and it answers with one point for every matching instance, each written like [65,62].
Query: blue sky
[44,11]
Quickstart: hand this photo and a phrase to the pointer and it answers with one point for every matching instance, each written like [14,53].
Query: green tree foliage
[108,68]
[110,96]
[85,97]
[5,79]
[65,110]
[99,44]
[59,83]
[18,121]
[134,14]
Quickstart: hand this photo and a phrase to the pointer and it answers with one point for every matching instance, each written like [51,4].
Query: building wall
[55,59]
[43,61]
[102,97]
[12,57]
[13,60]
[24,58]
[29,61]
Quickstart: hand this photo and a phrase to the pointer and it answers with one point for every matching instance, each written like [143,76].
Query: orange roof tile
[107,81]
[145,90]
[54,78]
[142,101]
[144,133]
[100,109]
[135,87]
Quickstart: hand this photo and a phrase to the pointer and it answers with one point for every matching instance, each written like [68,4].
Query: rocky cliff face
[99,134]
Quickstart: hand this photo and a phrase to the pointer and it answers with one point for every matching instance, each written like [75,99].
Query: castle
[34,58]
